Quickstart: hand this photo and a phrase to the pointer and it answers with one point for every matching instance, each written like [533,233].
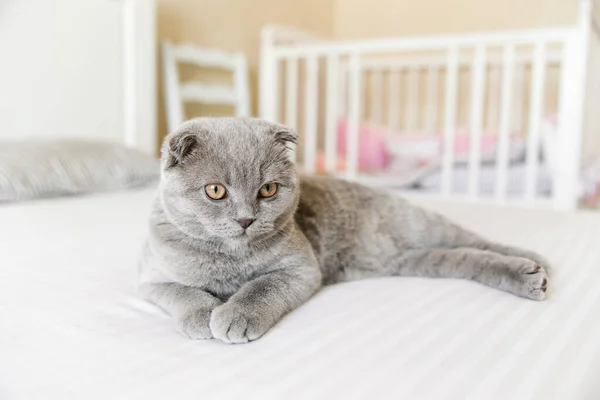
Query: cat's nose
[245,222]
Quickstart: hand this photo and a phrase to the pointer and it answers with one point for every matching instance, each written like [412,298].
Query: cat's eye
[268,190]
[215,191]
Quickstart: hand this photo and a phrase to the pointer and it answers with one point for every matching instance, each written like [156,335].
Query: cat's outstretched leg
[517,275]
[439,232]
[514,252]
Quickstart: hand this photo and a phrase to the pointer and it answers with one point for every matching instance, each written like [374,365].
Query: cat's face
[229,178]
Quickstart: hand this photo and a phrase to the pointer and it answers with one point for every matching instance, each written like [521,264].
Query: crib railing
[323,81]
[425,71]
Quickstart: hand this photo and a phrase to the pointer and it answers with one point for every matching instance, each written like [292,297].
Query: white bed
[73,328]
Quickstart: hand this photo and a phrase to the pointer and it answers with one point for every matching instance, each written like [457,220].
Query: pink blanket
[379,147]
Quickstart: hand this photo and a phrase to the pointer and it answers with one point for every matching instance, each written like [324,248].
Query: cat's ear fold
[288,138]
[177,147]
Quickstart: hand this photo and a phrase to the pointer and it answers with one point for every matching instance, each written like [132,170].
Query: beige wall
[234,25]
[371,18]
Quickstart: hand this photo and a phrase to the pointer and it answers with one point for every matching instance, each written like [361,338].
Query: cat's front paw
[195,324]
[233,323]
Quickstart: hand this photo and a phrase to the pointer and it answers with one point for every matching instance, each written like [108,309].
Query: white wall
[61,71]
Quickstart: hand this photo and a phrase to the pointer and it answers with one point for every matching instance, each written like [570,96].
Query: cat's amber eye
[268,190]
[215,191]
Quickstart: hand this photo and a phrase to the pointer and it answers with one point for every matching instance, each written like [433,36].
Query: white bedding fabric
[72,326]
[515,181]
[34,169]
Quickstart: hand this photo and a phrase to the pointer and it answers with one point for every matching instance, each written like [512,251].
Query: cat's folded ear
[177,147]
[286,137]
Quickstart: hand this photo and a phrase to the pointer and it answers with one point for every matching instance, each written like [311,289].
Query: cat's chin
[246,237]
[238,244]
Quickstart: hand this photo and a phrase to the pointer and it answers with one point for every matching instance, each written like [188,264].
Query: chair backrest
[177,93]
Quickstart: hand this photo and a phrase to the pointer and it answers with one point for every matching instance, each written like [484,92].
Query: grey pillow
[38,169]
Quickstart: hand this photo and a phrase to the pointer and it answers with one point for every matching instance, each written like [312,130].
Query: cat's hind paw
[533,280]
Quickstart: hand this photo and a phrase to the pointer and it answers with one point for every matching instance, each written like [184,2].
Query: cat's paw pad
[534,280]
[232,323]
[195,325]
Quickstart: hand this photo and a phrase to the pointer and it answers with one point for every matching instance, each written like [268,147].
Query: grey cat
[237,239]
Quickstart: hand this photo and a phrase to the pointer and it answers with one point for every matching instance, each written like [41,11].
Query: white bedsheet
[72,326]
[488,177]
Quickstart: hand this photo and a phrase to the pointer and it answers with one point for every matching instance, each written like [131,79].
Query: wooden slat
[430,43]
[205,57]
[174,109]
[208,93]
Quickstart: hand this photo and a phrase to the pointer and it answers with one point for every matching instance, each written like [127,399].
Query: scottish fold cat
[238,239]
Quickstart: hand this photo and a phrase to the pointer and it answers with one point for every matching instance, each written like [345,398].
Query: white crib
[533,89]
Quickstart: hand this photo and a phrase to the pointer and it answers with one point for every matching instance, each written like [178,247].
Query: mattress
[428,179]
[488,176]
[72,326]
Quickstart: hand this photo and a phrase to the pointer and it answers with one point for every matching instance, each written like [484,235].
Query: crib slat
[477,93]
[333,67]
[376,96]
[291,93]
[535,117]
[310,114]
[354,112]
[450,119]
[394,100]
[508,65]
[432,98]
[413,99]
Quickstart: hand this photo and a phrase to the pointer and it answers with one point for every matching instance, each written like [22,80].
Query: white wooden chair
[177,93]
